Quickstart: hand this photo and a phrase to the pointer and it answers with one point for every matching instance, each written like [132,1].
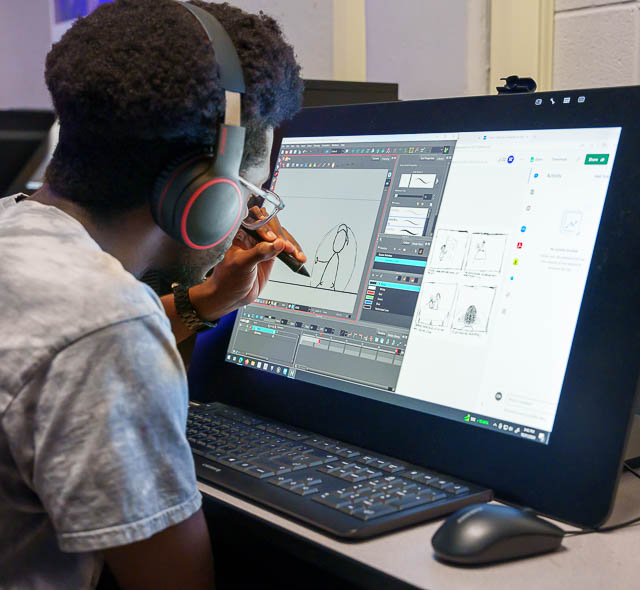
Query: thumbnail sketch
[436,304]
[473,308]
[571,223]
[407,221]
[335,260]
[486,252]
[449,249]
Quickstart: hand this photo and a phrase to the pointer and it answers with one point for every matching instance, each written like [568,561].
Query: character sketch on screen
[335,259]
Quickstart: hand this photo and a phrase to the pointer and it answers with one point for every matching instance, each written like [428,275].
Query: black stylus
[289,259]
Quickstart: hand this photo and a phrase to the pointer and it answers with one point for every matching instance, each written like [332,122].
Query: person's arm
[238,279]
[176,558]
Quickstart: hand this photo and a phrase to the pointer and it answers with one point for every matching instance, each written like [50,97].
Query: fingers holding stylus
[273,230]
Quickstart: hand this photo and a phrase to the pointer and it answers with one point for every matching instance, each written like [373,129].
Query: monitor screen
[22,146]
[447,270]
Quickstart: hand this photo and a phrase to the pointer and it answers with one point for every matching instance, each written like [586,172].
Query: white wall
[597,43]
[25,37]
[307,25]
[430,47]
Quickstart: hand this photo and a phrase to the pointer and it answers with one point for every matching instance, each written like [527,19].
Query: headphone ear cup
[171,183]
[209,211]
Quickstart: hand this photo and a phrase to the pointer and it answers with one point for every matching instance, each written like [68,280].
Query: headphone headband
[231,76]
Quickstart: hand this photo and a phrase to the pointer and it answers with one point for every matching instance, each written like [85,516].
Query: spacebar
[270,466]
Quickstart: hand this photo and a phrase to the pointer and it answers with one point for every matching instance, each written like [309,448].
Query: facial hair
[193,266]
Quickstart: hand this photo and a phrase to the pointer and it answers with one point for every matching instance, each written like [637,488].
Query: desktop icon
[566,100]
[538,102]
[519,245]
[581,99]
[523,228]
[510,160]
[467,418]
[552,101]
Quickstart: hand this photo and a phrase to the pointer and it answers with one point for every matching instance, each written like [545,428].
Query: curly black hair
[135,85]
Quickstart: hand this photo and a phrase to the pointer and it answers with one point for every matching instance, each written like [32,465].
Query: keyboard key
[227,460]
[393,468]
[378,463]
[366,459]
[320,456]
[349,508]
[280,480]
[311,480]
[328,468]
[242,466]
[458,489]
[411,500]
[259,473]
[369,473]
[352,477]
[329,499]
[276,468]
[375,511]
[304,490]
[441,484]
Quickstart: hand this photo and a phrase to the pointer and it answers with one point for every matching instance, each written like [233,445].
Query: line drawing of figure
[481,250]
[335,259]
[447,249]
[434,301]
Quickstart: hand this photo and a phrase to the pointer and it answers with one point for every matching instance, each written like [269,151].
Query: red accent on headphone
[192,198]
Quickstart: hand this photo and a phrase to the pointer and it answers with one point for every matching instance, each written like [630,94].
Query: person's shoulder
[59,285]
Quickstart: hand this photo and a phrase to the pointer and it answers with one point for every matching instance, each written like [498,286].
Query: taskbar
[261,365]
[495,424]
[512,428]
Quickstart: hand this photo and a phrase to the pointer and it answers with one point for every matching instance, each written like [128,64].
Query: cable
[606,529]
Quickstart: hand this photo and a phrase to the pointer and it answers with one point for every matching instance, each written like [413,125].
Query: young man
[94,464]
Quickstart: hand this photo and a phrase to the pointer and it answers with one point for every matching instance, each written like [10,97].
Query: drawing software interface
[447,270]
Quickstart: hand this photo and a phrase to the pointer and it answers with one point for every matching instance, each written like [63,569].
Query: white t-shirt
[93,405]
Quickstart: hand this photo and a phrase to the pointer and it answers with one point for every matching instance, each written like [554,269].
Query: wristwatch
[186,311]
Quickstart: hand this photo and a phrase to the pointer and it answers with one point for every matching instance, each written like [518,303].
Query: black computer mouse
[484,533]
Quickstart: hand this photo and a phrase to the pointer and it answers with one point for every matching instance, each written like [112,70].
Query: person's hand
[244,271]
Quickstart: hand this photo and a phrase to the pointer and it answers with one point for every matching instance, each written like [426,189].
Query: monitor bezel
[575,476]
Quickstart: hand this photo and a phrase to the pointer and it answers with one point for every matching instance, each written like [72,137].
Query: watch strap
[186,312]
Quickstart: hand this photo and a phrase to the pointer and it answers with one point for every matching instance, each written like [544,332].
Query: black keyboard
[342,489]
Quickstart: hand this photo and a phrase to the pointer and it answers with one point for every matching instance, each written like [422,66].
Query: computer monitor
[471,304]
[23,146]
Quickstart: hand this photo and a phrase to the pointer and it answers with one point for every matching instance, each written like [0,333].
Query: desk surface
[595,561]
